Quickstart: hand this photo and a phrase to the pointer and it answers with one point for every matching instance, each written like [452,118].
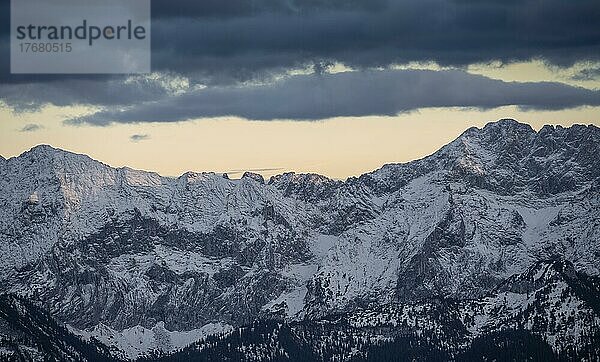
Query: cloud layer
[319,96]
[224,45]
[227,41]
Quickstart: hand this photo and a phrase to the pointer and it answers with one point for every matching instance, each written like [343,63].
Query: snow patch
[137,341]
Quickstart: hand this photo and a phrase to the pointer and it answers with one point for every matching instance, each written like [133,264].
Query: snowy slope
[126,250]
[548,312]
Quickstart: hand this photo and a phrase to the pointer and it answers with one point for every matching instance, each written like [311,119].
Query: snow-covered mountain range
[498,230]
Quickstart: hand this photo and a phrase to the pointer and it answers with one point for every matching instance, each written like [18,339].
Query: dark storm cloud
[225,43]
[217,42]
[587,74]
[106,92]
[319,96]
[454,33]
[236,8]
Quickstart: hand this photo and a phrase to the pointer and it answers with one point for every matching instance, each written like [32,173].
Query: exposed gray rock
[124,248]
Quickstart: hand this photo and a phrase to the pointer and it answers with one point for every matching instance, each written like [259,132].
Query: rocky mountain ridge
[125,251]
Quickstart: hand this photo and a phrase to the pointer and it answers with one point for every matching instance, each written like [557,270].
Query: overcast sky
[259,66]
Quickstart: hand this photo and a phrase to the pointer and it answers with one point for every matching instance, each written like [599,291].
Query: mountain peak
[507,121]
[508,126]
[254,176]
[47,151]
[51,157]
[503,123]
[43,148]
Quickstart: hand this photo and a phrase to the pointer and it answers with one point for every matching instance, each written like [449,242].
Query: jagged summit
[254,176]
[51,159]
[506,135]
[539,274]
[507,124]
[44,150]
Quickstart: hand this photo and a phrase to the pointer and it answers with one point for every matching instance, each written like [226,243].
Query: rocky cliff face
[547,313]
[120,249]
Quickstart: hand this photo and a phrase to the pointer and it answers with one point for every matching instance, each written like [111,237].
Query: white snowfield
[138,341]
[111,250]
